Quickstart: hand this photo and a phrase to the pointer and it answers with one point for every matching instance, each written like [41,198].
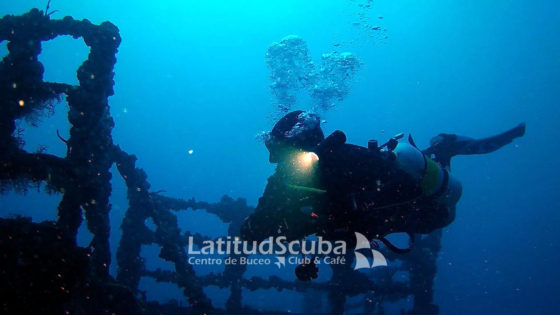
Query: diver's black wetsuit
[368,193]
[358,190]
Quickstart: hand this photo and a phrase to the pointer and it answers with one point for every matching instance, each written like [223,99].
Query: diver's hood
[297,130]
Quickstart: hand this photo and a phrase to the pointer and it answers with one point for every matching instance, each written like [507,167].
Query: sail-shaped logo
[361,260]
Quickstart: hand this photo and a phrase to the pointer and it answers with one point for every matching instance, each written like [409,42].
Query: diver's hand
[334,139]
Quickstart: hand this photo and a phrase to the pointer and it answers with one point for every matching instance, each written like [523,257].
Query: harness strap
[396,249]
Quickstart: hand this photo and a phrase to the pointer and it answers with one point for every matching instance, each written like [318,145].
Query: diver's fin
[491,144]
[445,146]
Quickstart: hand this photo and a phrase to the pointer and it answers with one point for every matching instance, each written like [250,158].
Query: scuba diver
[330,188]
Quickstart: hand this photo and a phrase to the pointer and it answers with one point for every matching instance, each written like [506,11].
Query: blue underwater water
[193,91]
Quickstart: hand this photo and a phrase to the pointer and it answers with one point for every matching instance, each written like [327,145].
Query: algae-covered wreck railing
[83,178]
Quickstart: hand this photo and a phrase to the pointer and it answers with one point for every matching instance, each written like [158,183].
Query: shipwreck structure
[41,267]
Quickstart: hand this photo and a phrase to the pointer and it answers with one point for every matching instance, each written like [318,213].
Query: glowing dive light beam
[306,160]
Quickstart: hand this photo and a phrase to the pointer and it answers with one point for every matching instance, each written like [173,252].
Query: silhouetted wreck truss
[83,178]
